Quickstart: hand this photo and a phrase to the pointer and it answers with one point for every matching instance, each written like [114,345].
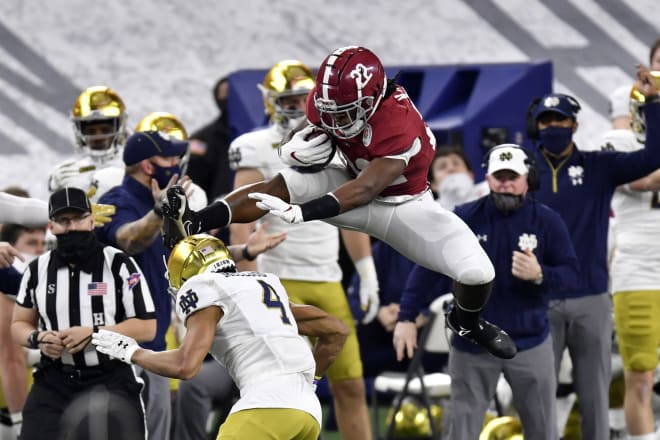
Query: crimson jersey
[396,129]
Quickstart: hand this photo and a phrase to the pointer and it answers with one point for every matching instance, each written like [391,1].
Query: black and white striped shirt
[109,289]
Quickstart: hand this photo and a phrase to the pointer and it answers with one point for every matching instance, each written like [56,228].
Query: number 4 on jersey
[272,300]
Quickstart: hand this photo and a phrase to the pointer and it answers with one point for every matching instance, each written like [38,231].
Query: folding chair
[434,338]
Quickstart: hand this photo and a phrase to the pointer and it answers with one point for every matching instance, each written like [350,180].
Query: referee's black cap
[68,198]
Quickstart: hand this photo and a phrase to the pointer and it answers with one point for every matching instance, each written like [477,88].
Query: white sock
[649,436]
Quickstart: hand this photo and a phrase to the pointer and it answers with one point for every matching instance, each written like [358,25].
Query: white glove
[278,207]
[369,300]
[66,174]
[302,151]
[115,345]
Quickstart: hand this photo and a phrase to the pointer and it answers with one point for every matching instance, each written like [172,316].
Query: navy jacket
[580,189]
[10,280]
[518,306]
[133,201]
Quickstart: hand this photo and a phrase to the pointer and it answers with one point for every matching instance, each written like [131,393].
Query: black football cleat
[179,221]
[486,335]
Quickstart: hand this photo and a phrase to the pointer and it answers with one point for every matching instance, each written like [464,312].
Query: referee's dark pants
[98,403]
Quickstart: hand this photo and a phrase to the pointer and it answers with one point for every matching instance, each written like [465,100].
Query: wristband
[33,339]
[315,382]
[652,99]
[323,207]
[246,255]
[16,417]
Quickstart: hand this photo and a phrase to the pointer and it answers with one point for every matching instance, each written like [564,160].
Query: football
[316,132]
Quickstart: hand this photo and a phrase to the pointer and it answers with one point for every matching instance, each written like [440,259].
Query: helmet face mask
[349,87]
[99,117]
[197,254]
[284,90]
[345,121]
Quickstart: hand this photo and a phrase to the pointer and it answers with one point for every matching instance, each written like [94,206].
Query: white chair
[434,338]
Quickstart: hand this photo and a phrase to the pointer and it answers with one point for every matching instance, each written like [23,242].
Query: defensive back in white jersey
[257,338]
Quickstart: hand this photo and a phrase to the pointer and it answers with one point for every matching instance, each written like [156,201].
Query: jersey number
[272,300]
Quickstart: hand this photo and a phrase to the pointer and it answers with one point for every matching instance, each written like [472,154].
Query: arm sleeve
[24,297]
[559,263]
[626,167]
[136,296]
[10,281]
[422,287]
[197,294]
[22,210]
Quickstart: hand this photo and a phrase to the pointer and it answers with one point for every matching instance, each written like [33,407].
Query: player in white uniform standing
[634,277]
[307,261]
[247,323]
[99,126]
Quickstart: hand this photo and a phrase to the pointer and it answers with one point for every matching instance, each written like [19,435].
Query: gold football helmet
[412,420]
[99,117]
[502,428]
[164,122]
[286,79]
[637,100]
[197,254]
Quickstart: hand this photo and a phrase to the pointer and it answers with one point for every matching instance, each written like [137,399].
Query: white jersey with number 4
[310,250]
[635,228]
[257,339]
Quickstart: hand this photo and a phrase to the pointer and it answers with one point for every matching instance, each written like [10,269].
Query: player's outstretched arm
[330,331]
[181,363]
[356,192]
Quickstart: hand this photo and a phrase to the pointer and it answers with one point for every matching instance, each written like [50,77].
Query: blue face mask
[164,174]
[556,139]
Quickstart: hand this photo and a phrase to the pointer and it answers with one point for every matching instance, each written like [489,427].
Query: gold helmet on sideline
[286,78]
[502,428]
[198,254]
[412,420]
[163,122]
[637,100]
[99,117]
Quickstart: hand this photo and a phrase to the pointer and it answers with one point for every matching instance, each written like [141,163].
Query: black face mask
[507,203]
[76,247]
[222,106]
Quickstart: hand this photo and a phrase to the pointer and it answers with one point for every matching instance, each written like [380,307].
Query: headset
[533,173]
[532,126]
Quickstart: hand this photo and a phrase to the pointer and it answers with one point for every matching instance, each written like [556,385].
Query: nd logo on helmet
[506,155]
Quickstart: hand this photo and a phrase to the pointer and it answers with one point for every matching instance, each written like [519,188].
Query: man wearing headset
[579,185]
[533,255]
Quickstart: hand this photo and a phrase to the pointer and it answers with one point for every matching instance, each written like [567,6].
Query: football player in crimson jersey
[382,190]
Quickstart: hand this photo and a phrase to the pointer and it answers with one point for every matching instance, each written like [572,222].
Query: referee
[64,296]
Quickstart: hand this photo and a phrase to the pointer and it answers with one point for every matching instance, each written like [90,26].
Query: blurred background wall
[166,55]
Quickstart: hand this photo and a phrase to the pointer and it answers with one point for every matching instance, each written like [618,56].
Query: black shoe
[179,221]
[486,335]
